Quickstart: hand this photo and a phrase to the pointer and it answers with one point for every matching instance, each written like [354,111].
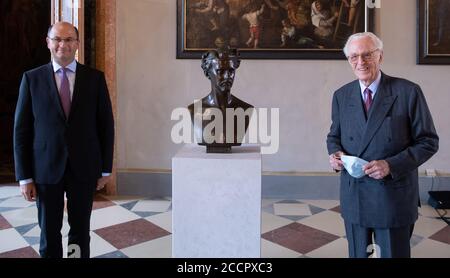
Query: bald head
[60,25]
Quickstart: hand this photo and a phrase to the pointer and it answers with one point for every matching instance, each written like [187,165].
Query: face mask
[354,165]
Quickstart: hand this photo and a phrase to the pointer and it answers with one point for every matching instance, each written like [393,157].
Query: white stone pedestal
[216,203]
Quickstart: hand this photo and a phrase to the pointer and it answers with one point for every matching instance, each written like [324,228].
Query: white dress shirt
[372,87]
[71,73]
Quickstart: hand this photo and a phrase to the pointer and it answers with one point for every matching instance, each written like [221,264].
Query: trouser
[50,205]
[387,243]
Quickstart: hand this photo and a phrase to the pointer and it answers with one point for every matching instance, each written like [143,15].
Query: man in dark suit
[63,141]
[385,121]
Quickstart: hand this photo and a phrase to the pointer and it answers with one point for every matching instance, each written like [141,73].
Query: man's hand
[29,191]
[335,161]
[377,169]
[101,182]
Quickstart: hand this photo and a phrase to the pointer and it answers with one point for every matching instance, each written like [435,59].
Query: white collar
[72,66]
[372,87]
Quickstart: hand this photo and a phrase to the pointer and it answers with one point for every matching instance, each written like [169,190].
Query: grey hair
[376,41]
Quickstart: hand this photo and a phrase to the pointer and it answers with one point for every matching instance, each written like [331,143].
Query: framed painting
[270,29]
[433,28]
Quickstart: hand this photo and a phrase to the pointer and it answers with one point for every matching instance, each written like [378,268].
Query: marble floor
[137,227]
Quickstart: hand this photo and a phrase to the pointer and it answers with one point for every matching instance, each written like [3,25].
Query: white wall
[151,83]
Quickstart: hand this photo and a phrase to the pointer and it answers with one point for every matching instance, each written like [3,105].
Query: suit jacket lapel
[76,88]
[382,104]
[53,90]
[356,108]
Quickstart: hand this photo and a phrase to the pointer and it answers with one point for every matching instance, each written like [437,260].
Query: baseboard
[159,184]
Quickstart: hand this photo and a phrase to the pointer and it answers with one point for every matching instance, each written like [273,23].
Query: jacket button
[351,138]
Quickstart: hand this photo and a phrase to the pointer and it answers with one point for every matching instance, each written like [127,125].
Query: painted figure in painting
[323,19]
[264,24]
[254,25]
[217,10]
[351,5]
[287,33]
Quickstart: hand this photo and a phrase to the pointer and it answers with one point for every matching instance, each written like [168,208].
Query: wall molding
[264,173]
[158,183]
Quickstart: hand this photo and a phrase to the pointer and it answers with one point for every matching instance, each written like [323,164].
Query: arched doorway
[22,47]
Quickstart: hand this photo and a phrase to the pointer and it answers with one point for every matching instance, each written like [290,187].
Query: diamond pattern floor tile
[129,205]
[111,216]
[123,199]
[26,228]
[99,246]
[329,221]
[335,249]
[428,226]
[442,235]
[163,220]
[152,205]
[324,204]
[428,211]
[273,250]
[10,240]
[271,222]
[299,237]
[131,233]
[415,239]
[4,224]
[429,248]
[9,191]
[137,227]
[113,255]
[291,209]
[16,202]
[20,217]
[158,248]
[336,209]
[101,202]
[25,252]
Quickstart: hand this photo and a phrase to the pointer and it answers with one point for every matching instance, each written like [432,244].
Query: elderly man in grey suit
[385,121]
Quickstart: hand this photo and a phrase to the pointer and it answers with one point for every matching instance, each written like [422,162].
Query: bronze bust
[220,119]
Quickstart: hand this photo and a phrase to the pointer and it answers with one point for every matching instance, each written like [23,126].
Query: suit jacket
[398,129]
[45,141]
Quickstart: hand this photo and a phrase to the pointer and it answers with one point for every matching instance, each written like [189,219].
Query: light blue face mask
[354,165]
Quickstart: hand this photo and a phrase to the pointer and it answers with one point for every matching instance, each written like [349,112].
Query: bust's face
[221,73]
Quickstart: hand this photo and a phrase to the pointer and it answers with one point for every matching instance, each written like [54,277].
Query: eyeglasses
[368,56]
[66,40]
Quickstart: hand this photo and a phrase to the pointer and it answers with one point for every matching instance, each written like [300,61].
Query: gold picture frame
[281,29]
